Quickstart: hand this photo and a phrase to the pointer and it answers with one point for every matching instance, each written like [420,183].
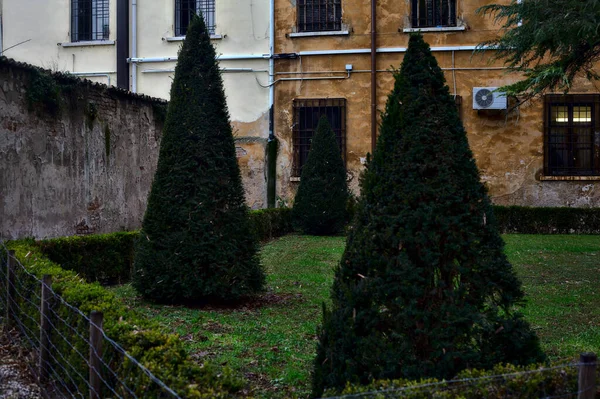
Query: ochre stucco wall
[508,147]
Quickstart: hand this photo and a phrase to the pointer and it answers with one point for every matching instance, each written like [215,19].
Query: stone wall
[87,165]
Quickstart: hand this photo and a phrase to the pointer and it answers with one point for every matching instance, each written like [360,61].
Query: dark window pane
[184,9]
[306,118]
[89,20]
[433,13]
[319,15]
[570,138]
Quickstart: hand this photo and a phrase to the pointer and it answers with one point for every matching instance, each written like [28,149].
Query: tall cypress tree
[320,204]
[423,288]
[196,241]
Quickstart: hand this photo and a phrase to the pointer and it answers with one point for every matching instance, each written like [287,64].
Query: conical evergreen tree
[320,203]
[423,288]
[196,241]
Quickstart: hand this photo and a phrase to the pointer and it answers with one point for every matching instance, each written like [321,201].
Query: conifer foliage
[320,204]
[196,242]
[423,288]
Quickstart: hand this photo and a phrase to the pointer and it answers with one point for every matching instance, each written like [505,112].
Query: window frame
[572,146]
[433,19]
[322,6]
[208,8]
[98,13]
[302,136]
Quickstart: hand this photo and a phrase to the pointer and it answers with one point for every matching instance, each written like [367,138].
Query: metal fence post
[96,319]
[10,289]
[587,376]
[45,328]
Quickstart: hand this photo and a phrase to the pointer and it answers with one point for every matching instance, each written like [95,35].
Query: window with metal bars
[433,13]
[572,135]
[185,9]
[307,113]
[319,15]
[89,20]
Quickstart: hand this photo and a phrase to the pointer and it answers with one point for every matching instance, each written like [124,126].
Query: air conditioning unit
[488,98]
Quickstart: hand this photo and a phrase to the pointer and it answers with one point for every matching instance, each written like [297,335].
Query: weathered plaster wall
[508,148]
[64,175]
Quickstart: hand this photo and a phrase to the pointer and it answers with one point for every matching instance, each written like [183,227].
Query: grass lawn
[272,341]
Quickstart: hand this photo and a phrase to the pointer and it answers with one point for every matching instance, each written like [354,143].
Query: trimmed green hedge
[528,220]
[504,381]
[161,353]
[271,223]
[108,258]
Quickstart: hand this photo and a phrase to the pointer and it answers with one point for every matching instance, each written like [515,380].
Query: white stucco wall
[46,24]
[242,24]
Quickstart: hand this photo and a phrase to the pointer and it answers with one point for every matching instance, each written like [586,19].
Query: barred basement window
[319,15]
[184,9]
[306,118]
[89,20]
[572,135]
[433,13]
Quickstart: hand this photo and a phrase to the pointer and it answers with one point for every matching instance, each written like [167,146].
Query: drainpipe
[373,76]
[122,44]
[272,143]
[134,45]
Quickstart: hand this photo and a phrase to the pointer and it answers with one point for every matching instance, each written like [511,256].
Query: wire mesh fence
[572,380]
[71,355]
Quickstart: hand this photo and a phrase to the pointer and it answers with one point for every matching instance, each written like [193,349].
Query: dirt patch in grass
[268,299]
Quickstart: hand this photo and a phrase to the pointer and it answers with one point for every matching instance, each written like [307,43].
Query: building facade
[133,44]
[332,57]
[546,153]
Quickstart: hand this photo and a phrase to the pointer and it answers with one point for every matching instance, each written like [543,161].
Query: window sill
[88,43]
[436,29]
[316,34]
[182,38]
[569,178]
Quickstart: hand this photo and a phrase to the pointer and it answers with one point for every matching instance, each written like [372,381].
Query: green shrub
[196,242]
[503,381]
[528,220]
[423,289]
[271,223]
[106,258]
[161,353]
[320,206]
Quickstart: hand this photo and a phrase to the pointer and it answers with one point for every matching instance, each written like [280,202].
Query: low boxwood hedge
[504,381]
[108,258]
[271,223]
[161,353]
[529,220]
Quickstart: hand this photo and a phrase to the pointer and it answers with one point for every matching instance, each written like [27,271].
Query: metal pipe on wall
[134,45]
[373,75]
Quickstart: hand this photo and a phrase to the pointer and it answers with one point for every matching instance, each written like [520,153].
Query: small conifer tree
[320,206]
[423,288]
[196,241]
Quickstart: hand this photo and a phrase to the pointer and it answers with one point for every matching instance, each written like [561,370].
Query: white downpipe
[93,74]
[271,52]
[309,53]
[224,70]
[222,57]
[134,45]
[382,50]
